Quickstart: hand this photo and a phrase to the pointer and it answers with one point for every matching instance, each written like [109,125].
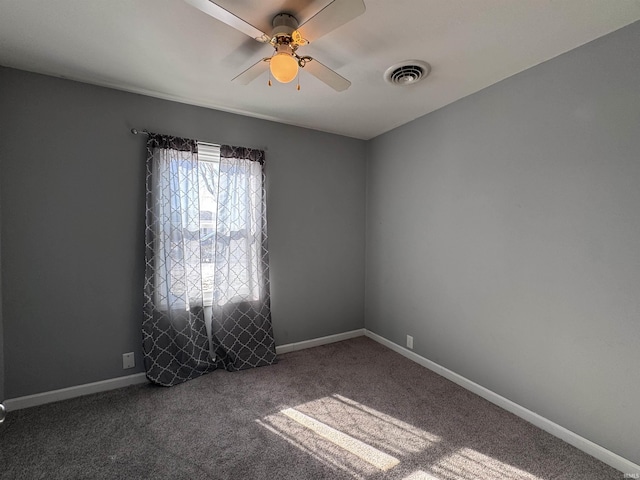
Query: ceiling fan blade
[326,75]
[225,16]
[332,16]
[253,72]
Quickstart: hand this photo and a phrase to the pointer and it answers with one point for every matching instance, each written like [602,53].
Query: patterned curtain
[175,341]
[241,323]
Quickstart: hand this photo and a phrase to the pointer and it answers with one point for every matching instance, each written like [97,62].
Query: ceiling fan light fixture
[283,65]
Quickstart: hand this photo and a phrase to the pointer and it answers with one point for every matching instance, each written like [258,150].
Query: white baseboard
[72,392]
[587,446]
[581,443]
[27,401]
[316,342]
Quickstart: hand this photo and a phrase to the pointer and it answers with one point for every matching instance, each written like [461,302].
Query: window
[209,165]
[230,195]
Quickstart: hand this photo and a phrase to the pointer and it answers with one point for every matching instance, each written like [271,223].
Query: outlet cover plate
[410,342]
[128,360]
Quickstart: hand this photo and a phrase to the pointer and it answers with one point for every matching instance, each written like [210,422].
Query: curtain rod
[135,131]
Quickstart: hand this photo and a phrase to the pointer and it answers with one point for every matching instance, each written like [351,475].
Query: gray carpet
[353,409]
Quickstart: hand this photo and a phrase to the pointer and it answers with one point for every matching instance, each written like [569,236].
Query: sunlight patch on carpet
[348,435]
[467,464]
[370,425]
[317,447]
[352,445]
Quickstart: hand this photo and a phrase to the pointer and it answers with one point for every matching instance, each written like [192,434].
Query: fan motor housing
[284,24]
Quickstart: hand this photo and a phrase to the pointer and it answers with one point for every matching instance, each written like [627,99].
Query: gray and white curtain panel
[206,290]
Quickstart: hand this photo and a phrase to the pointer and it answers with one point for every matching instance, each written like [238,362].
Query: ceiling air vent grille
[408,72]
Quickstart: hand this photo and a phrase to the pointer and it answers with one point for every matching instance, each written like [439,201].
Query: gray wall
[72,196]
[2,397]
[503,233]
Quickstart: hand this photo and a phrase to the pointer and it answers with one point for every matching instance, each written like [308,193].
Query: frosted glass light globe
[284,67]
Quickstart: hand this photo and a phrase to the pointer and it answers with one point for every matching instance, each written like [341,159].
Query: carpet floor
[353,409]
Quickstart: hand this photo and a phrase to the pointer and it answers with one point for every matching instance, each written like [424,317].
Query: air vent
[408,72]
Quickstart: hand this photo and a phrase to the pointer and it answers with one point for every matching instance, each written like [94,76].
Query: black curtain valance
[243,153]
[157,140]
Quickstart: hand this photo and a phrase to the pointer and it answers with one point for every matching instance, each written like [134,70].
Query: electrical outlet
[410,342]
[128,360]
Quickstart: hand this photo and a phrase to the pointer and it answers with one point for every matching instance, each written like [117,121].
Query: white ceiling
[168,49]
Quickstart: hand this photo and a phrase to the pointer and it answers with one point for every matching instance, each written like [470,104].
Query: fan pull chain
[269,82]
[298,87]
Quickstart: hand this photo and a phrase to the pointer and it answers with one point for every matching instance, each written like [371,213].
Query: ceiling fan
[286,36]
